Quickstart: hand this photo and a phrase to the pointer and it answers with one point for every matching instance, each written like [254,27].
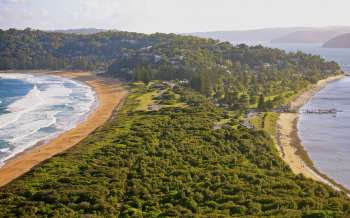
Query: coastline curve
[289,144]
[109,94]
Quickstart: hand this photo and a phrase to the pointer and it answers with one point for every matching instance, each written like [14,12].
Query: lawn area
[266,121]
[178,105]
[145,100]
[256,121]
[270,119]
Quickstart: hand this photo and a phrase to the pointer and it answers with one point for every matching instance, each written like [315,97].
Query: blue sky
[172,15]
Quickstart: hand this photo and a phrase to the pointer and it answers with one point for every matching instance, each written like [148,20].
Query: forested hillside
[30,49]
[235,76]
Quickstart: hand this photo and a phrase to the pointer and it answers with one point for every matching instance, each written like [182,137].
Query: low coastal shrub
[169,163]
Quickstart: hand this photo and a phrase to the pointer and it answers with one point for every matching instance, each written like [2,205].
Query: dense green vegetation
[30,49]
[234,76]
[169,163]
[179,148]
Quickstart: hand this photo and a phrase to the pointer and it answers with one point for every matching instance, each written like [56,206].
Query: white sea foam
[53,106]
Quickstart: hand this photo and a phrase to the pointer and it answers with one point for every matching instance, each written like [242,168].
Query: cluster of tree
[34,49]
[233,75]
[170,163]
[236,76]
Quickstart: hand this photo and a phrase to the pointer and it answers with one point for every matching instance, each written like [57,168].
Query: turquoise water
[35,109]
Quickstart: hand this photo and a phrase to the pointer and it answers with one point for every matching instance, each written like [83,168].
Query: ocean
[35,108]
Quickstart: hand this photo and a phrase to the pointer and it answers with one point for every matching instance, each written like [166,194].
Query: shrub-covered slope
[170,163]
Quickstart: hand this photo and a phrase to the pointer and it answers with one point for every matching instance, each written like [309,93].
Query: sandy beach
[289,145]
[109,94]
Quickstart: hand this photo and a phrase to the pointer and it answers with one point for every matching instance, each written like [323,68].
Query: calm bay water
[327,137]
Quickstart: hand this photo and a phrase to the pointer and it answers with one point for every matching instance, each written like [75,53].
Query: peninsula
[181,144]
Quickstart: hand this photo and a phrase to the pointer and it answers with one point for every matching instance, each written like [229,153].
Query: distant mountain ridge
[315,35]
[341,41]
[82,31]
[278,35]
[260,35]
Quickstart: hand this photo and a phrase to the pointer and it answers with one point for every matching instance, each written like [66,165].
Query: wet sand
[289,145]
[109,95]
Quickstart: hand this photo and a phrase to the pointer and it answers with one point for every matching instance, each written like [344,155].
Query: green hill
[190,155]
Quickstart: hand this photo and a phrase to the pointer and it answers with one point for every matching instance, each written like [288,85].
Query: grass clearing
[270,120]
[266,121]
[145,100]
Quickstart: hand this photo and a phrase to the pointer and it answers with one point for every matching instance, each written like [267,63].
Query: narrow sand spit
[290,147]
[109,94]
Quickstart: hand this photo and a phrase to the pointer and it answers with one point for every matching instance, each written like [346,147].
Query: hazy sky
[172,15]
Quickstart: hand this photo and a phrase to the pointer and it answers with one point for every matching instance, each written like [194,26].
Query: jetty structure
[322,111]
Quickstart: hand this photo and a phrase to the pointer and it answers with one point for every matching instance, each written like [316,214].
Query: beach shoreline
[109,94]
[289,145]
